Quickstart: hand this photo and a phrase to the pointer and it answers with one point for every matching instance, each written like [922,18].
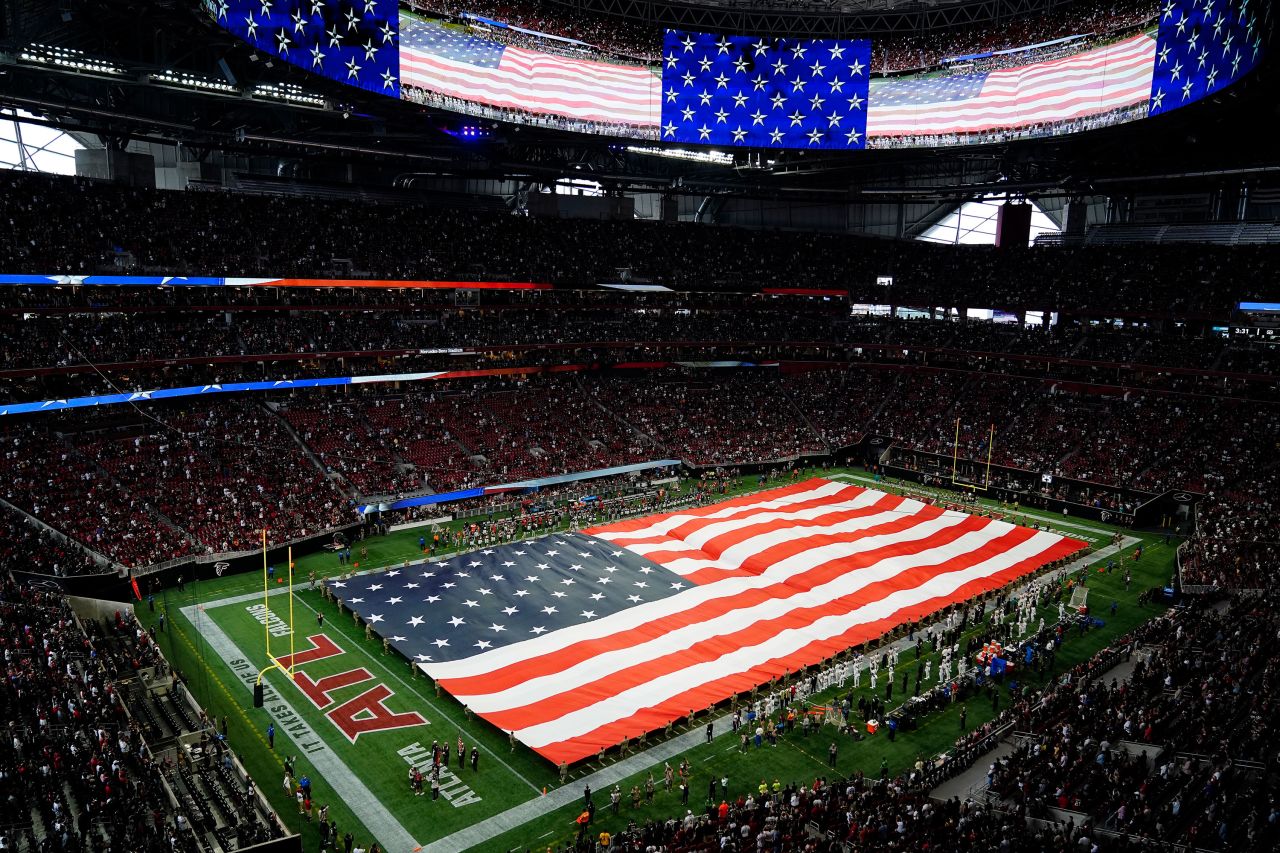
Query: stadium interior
[639,425]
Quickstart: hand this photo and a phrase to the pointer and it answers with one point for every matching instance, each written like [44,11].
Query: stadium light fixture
[68,58]
[289,93]
[187,80]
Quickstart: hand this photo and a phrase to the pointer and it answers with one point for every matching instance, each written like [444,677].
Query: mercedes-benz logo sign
[1182,497]
[219,568]
[51,586]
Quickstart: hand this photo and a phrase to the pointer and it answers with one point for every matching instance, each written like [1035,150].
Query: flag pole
[266,600]
[290,673]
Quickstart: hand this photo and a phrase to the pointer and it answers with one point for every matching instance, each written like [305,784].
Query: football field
[358,716]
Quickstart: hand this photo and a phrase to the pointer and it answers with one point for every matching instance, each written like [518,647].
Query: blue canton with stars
[352,41]
[456,607]
[764,92]
[1202,47]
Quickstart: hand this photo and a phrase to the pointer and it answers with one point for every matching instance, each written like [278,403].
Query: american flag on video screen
[1086,84]
[452,63]
[577,641]
[351,41]
[1203,46]
[764,92]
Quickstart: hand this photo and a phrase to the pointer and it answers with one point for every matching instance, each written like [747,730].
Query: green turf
[374,757]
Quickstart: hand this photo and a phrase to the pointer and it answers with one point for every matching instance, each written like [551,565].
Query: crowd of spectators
[67,226]
[82,765]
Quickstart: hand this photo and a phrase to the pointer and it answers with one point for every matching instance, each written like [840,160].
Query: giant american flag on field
[1088,83]
[443,60]
[575,642]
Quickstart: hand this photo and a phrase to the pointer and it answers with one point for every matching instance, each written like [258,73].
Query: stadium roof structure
[139,71]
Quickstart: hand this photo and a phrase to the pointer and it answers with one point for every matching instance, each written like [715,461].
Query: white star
[423,658]
[1202,58]
[704,132]
[704,64]
[815,136]
[482,644]
[1217,25]
[1158,99]
[543,566]
[775,136]
[462,574]
[353,20]
[457,620]
[1186,90]
[411,586]
[688,113]
[375,587]
[520,593]
[549,610]
[798,84]
[722,82]
[837,51]
[1164,55]
[416,621]
[1192,39]
[596,596]
[431,599]
[610,569]
[817,68]
[442,563]
[834,119]
[1213,74]
[668,129]
[353,70]
[317,6]
[266,6]
[722,46]
[671,60]
[634,598]
[395,600]
[739,100]
[604,580]
[356,600]
[338,584]
[722,117]
[387,33]
[299,22]
[510,610]
[1226,43]
[853,136]
[799,51]
[779,67]
[222,10]
[496,628]
[615,553]
[688,44]
[796,118]
[1182,24]
[253,27]
[369,50]
[532,578]
[537,629]
[1168,10]
[704,97]
[640,584]
[740,65]
[837,85]
[518,554]
[498,577]
[855,69]
[440,643]
[1235,64]
[369,5]
[398,639]
[374,618]
[758,82]
[757,117]
[645,570]
[817,101]
[671,94]
[760,47]
[471,603]
[677,585]
[475,564]
[449,585]
[1176,71]
[588,614]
